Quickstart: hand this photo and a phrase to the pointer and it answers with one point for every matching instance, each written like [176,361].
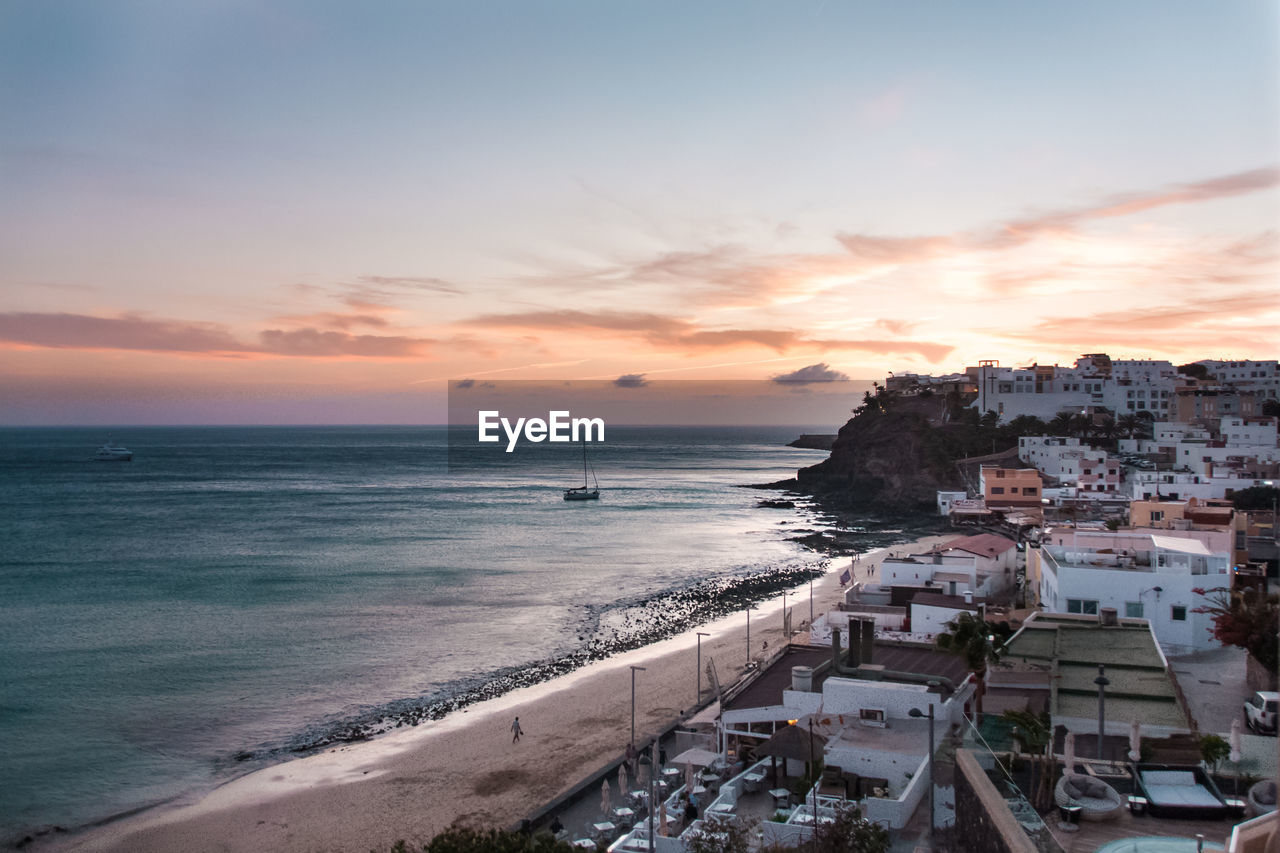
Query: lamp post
[748,636]
[785,638]
[698,700]
[1102,681]
[634,670]
[653,771]
[916,712]
[810,601]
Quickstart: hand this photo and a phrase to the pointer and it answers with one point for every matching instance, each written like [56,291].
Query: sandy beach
[414,783]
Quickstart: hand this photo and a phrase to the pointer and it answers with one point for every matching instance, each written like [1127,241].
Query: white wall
[897,813]
[1116,587]
[849,695]
[931,619]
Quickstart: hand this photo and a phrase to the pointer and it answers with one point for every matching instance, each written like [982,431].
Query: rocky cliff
[892,455]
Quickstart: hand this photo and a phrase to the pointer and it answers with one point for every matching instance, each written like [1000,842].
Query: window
[997,490]
[1133,609]
[1157,514]
[1178,613]
[1030,490]
[1087,606]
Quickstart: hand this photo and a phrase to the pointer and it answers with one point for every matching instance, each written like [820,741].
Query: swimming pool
[1156,844]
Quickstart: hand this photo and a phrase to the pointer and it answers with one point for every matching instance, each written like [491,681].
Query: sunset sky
[319,212]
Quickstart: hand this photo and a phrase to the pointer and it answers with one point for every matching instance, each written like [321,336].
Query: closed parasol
[605,797]
[622,778]
[1135,741]
[1069,753]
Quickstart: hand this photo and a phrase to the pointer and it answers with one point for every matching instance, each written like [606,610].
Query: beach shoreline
[412,783]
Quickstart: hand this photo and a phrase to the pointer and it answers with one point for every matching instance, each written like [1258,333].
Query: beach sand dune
[412,784]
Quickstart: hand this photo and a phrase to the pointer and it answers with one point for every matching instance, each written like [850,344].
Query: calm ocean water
[244,590]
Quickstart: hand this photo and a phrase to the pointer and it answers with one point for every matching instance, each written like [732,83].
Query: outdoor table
[605,828]
[781,796]
[1236,805]
[699,790]
[720,811]
[622,814]
[752,781]
[671,773]
[1138,805]
[584,843]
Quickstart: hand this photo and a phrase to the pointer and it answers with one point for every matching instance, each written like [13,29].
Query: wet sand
[413,783]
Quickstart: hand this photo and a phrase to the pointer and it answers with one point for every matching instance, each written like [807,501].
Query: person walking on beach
[516,731]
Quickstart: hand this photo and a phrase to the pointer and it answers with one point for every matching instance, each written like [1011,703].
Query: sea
[237,596]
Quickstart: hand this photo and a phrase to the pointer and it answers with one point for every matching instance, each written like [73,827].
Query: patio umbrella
[791,742]
[688,779]
[1135,742]
[1069,752]
[697,755]
[604,797]
[662,820]
[642,775]
[622,779]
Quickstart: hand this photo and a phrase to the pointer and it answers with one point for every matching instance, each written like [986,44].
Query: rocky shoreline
[618,628]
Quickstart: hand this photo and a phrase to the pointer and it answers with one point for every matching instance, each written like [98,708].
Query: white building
[864,715]
[1045,452]
[1258,376]
[1238,431]
[1124,387]
[932,612]
[1180,485]
[982,565]
[946,499]
[1140,575]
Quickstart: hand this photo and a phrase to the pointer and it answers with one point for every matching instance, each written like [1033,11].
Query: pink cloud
[673,333]
[142,334]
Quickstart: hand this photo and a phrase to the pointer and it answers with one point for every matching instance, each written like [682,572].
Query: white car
[1261,710]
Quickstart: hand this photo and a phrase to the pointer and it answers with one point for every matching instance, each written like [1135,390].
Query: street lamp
[785,638]
[698,700]
[748,636]
[916,712]
[1102,681]
[810,601]
[634,670]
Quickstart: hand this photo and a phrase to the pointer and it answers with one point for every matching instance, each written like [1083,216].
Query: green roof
[1072,647]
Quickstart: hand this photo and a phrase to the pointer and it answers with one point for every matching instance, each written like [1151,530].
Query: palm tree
[1081,425]
[972,639]
[1033,734]
[1060,424]
[1129,425]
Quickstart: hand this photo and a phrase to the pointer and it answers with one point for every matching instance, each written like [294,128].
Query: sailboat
[583,493]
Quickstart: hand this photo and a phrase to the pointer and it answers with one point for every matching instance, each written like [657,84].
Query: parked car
[1261,710]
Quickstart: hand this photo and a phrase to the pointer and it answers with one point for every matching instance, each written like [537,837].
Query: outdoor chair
[1096,799]
[1262,797]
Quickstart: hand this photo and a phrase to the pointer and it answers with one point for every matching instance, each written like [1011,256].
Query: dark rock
[813,442]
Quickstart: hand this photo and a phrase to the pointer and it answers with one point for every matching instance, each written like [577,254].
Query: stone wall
[984,823]
[1257,676]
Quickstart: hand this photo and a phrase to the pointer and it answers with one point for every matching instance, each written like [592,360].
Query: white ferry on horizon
[113,453]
